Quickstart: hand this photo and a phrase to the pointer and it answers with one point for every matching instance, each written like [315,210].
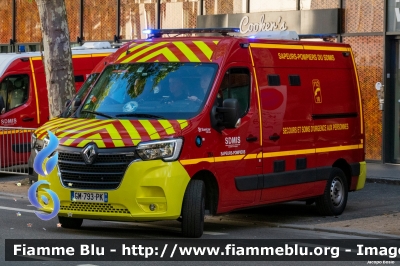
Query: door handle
[251,138]
[27,119]
[274,137]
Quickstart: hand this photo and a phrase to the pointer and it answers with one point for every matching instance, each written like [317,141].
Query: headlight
[33,140]
[167,150]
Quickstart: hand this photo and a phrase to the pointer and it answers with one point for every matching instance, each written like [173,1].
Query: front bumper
[162,184]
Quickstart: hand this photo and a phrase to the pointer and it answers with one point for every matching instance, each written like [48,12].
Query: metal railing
[15,149]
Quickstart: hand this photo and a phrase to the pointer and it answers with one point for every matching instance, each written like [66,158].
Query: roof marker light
[160,32]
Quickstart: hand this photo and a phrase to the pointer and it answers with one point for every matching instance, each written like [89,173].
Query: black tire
[193,209]
[334,199]
[72,223]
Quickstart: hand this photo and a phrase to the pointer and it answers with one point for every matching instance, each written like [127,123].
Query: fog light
[152,207]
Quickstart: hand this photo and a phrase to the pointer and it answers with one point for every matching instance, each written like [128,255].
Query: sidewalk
[383,173]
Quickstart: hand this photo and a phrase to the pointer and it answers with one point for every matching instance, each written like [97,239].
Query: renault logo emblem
[89,153]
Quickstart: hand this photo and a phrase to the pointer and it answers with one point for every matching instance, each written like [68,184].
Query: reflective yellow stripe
[36,58]
[276,46]
[325,48]
[151,47]
[133,134]
[150,129]
[204,48]
[164,51]
[339,148]
[96,139]
[35,89]
[271,154]
[216,42]
[167,126]
[135,47]
[81,55]
[287,153]
[251,156]
[196,161]
[98,55]
[182,123]
[229,158]
[258,95]
[186,51]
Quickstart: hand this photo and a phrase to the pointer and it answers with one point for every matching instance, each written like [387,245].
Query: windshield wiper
[141,115]
[97,113]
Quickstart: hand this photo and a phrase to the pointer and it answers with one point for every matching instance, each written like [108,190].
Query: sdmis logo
[49,166]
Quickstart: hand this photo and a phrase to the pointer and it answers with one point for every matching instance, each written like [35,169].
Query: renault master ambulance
[177,126]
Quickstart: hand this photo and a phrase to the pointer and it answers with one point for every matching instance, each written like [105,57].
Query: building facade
[371,27]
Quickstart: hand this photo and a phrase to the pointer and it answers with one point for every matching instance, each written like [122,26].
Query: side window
[236,84]
[14,91]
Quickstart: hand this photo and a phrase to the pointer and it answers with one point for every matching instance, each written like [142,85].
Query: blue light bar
[160,32]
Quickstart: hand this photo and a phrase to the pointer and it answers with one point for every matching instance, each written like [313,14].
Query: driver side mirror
[75,104]
[67,103]
[226,116]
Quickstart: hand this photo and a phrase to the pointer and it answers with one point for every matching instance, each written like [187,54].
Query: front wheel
[72,223]
[334,199]
[193,209]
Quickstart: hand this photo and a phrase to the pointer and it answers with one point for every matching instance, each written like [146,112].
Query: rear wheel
[72,223]
[334,199]
[193,208]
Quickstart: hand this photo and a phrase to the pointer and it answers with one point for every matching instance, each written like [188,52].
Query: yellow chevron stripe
[55,125]
[135,47]
[164,51]
[167,126]
[133,134]
[276,46]
[186,51]
[96,138]
[36,58]
[183,123]
[93,130]
[150,129]
[204,48]
[74,128]
[151,47]
[216,42]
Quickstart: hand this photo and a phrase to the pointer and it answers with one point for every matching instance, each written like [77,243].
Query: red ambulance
[177,126]
[23,95]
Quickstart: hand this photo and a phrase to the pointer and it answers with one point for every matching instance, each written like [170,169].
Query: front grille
[106,172]
[93,207]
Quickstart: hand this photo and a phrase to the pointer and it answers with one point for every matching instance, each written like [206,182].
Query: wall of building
[362,28]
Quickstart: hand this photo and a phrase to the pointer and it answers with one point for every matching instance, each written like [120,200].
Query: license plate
[89,196]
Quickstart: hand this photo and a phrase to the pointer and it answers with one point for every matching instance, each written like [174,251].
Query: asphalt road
[289,221]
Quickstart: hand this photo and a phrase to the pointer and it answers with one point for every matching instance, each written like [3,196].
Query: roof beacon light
[160,32]
[276,35]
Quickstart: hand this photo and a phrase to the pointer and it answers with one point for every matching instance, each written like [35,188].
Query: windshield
[81,93]
[150,90]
